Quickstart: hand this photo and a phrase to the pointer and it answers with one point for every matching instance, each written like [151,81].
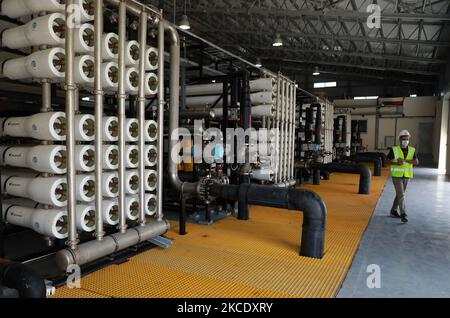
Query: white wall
[416,110]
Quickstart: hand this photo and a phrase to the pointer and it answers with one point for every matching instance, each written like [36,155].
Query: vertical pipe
[121,114]
[46,95]
[288,130]
[70,120]
[141,113]
[294,113]
[283,130]
[99,232]
[225,119]
[161,104]
[277,128]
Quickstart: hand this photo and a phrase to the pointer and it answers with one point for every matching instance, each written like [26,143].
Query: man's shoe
[404,218]
[395,214]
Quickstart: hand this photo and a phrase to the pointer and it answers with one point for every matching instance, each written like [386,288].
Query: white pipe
[85,219]
[131,53]
[257,111]
[259,98]
[84,158]
[110,46]
[263,84]
[110,157]
[110,212]
[151,59]
[151,204]
[262,174]
[131,130]
[151,84]
[84,38]
[43,158]
[85,187]
[47,64]
[151,180]
[45,30]
[131,182]
[84,70]
[51,223]
[43,190]
[42,126]
[110,71]
[131,156]
[19,8]
[110,184]
[151,156]
[151,131]
[84,127]
[132,207]
[131,80]
[110,128]
[86,9]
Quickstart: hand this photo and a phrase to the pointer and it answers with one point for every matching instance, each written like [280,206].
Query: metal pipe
[94,250]
[141,113]
[277,137]
[70,126]
[46,95]
[312,205]
[377,163]
[24,279]
[135,7]
[121,114]
[283,130]
[161,105]
[99,93]
[294,113]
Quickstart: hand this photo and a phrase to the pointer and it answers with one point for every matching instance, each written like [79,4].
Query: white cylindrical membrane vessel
[84,127]
[131,130]
[259,98]
[110,184]
[84,38]
[131,156]
[44,158]
[15,69]
[86,8]
[85,187]
[110,76]
[110,212]
[131,53]
[110,46]
[110,157]
[262,84]
[262,174]
[131,181]
[263,110]
[151,180]
[84,70]
[151,59]
[150,204]
[132,207]
[110,128]
[132,81]
[19,8]
[85,218]
[51,223]
[262,98]
[50,191]
[151,155]
[42,126]
[84,158]
[151,84]
[46,30]
[15,38]
[151,131]
[47,64]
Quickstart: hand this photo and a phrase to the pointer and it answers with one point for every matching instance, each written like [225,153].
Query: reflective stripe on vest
[405,170]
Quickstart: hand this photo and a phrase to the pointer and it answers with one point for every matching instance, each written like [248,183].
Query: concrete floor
[414,258]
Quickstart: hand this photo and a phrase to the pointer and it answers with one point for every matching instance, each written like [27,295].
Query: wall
[416,110]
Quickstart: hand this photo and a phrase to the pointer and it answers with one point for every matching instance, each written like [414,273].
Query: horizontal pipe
[312,206]
[363,171]
[94,250]
[380,155]
[22,278]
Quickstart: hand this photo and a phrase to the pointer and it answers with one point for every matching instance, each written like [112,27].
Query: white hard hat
[404,133]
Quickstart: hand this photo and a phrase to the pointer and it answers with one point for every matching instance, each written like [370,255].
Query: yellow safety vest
[405,170]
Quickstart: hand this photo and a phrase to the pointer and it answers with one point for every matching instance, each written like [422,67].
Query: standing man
[402,159]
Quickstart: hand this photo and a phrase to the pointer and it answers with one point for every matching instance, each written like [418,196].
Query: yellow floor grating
[257,258]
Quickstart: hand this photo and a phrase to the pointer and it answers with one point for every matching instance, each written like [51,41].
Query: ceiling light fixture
[258,63]
[277,41]
[184,22]
[316,71]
